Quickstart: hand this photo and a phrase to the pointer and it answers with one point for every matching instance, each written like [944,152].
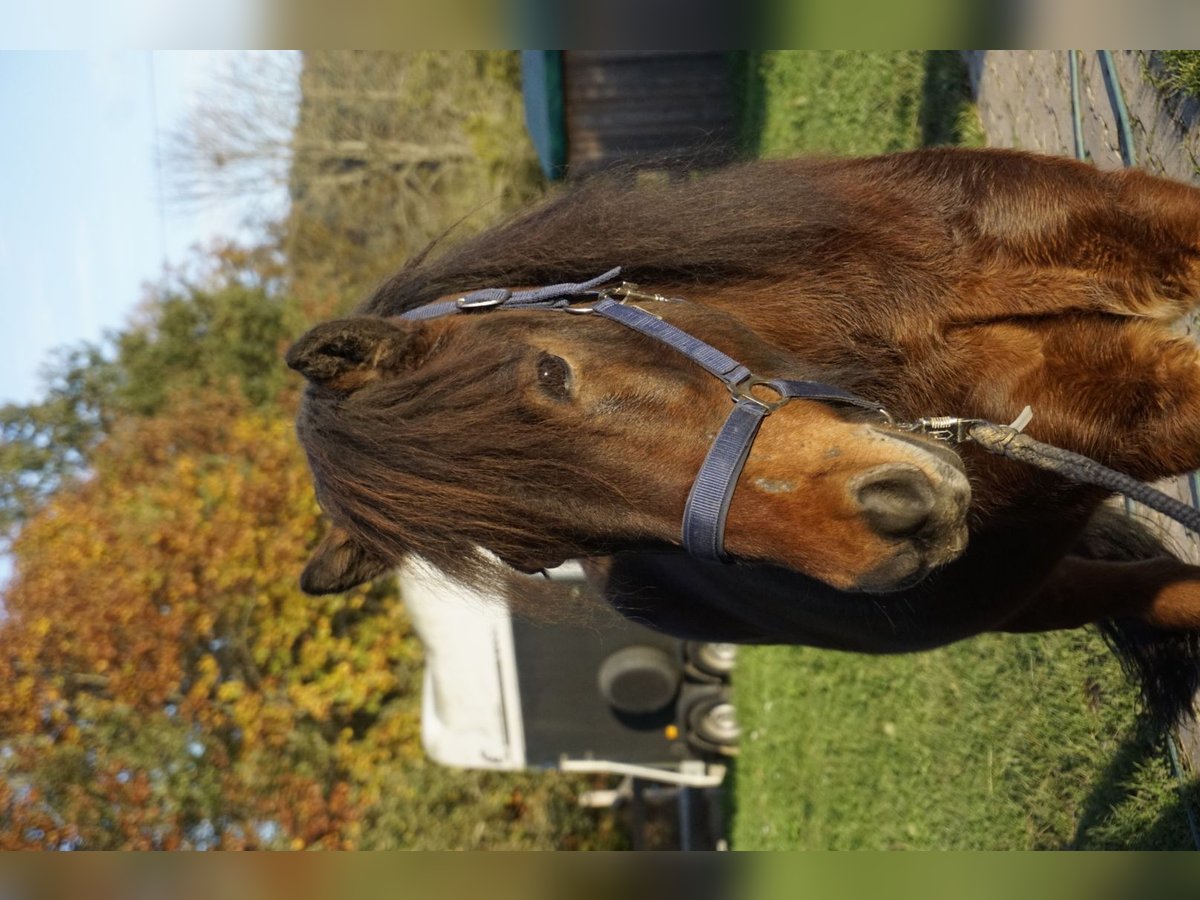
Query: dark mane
[753,222]
[738,224]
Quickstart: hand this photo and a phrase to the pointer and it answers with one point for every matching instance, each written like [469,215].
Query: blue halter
[707,505]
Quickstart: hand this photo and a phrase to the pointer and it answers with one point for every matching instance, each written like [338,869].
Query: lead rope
[1009,441]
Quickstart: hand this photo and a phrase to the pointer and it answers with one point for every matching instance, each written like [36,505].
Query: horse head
[543,436]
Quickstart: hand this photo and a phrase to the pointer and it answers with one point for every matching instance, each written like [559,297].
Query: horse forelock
[445,459]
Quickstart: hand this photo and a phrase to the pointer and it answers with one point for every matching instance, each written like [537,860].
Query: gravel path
[1024,100]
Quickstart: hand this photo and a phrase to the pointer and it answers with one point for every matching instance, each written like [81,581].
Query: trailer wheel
[713,726]
[716,661]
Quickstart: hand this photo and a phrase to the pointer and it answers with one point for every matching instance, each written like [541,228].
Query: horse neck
[884,349]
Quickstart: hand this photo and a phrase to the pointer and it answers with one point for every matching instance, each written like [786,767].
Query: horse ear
[347,354]
[338,564]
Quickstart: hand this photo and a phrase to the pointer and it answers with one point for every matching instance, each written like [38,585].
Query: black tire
[712,659]
[713,725]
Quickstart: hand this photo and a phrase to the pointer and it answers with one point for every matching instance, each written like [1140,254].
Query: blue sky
[83,221]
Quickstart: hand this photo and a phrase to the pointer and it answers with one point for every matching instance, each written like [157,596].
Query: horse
[934,282]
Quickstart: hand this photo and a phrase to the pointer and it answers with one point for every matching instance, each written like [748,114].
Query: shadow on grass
[749,101]
[1101,824]
[947,116]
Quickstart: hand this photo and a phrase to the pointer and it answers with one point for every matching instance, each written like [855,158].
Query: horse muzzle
[918,508]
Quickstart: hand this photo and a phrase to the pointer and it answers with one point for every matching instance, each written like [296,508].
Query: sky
[85,220]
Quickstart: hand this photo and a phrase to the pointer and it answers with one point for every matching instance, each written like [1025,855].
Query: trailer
[610,696]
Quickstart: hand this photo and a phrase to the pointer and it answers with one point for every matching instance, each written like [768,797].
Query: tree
[336,119]
[236,143]
[169,684]
[45,443]
[162,592]
[379,153]
[217,322]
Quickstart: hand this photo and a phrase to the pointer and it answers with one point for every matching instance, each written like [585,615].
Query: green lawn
[855,103]
[1002,742]
[1180,72]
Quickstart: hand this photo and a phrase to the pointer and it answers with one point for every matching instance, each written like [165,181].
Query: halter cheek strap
[707,504]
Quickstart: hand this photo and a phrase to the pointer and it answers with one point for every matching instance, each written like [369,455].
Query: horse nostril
[896,500]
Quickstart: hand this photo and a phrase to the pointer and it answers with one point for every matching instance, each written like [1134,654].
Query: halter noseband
[708,502]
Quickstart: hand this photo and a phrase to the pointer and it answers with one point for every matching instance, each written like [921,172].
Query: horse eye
[554,375]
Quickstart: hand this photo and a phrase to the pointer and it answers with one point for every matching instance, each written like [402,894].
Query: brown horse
[937,282]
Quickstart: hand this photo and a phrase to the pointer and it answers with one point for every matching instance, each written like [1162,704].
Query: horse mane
[748,222]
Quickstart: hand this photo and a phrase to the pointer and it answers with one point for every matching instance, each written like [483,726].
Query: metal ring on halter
[742,391]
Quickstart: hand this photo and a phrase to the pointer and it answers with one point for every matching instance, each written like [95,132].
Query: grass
[1002,742]
[1180,72]
[854,103]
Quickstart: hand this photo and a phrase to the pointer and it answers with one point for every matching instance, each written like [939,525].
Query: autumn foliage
[155,633]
